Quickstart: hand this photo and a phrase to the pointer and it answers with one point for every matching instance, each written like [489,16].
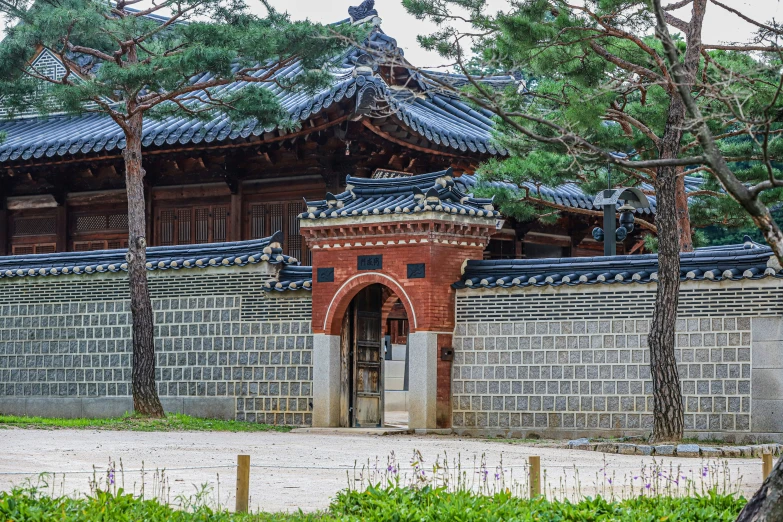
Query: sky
[719,25]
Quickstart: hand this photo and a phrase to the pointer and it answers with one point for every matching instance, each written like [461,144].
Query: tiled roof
[447,121]
[571,195]
[65,135]
[431,113]
[292,277]
[436,192]
[238,253]
[733,262]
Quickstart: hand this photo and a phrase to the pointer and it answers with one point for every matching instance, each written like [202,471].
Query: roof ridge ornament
[364,12]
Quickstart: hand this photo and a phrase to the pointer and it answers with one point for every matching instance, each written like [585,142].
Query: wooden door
[368,359]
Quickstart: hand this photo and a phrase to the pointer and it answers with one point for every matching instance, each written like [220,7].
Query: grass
[380,504]
[172,422]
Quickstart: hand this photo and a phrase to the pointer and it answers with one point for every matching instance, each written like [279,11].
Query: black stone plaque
[369,262]
[416,271]
[326,275]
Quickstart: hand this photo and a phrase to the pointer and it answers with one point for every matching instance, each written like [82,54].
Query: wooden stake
[535,476]
[766,465]
[243,483]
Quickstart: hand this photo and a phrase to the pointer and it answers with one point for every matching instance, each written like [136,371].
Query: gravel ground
[305,469]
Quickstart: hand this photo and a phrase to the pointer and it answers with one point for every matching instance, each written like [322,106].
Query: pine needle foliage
[597,85]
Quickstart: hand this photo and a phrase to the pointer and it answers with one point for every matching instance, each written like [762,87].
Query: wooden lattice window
[91,223]
[41,248]
[33,232]
[257,218]
[86,246]
[166,227]
[264,219]
[293,237]
[192,225]
[34,226]
[98,230]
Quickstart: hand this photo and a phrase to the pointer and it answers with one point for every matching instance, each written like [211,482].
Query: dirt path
[305,470]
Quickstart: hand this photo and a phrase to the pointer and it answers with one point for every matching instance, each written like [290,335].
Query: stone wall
[224,347]
[572,361]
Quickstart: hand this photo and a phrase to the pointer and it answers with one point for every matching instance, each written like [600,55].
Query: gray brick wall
[518,370]
[69,337]
[595,374]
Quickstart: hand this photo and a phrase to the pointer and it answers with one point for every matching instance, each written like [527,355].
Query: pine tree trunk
[683,214]
[668,417]
[145,394]
[767,504]
[668,420]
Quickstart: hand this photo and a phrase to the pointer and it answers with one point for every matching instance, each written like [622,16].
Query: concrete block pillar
[423,382]
[326,381]
[766,408]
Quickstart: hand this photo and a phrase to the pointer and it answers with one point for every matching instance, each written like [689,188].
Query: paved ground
[304,469]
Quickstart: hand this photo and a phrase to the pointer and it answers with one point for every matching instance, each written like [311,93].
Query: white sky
[720,26]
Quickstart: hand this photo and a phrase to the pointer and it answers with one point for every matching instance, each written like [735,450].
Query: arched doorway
[373,363]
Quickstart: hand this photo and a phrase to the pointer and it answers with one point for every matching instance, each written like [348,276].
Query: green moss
[172,422]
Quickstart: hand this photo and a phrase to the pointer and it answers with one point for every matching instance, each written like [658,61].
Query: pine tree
[165,59]
[601,94]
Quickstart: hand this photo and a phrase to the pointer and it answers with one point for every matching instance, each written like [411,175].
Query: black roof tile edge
[401,195]
[239,253]
[292,278]
[731,262]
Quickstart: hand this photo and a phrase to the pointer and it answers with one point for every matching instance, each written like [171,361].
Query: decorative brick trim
[342,298]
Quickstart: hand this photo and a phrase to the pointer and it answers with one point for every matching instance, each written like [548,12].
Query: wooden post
[149,213]
[3,225]
[62,226]
[766,465]
[243,483]
[235,226]
[535,476]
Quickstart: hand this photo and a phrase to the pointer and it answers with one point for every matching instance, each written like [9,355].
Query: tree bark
[145,394]
[668,418]
[767,504]
[683,214]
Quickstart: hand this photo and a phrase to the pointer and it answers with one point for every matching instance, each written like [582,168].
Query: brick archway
[345,294]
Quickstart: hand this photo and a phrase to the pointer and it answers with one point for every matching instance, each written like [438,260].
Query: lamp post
[632,199]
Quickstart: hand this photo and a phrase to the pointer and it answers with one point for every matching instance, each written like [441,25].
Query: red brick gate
[412,235]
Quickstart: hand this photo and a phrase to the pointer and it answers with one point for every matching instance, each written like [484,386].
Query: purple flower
[610,481]
[647,486]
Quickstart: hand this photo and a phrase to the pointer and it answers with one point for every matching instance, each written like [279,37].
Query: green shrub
[401,505]
[392,504]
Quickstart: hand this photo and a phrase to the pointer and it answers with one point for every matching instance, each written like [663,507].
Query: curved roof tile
[439,117]
[238,253]
[729,262]
[571,195]
[292,278]
[434,192]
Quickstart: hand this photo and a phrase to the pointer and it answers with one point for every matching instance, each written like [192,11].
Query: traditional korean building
[346,274]
[62,180]
[399,321]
